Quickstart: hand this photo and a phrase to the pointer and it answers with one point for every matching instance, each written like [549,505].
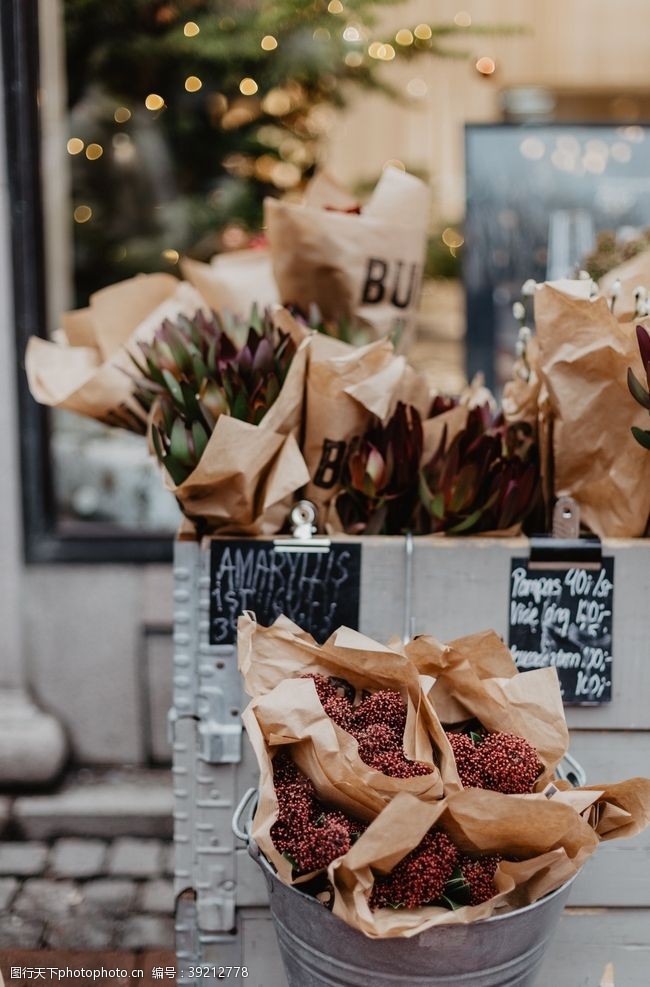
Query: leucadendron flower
[195,370]
[485,479]
[380,479]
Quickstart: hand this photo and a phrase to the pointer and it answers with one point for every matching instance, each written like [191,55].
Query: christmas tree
[184,115]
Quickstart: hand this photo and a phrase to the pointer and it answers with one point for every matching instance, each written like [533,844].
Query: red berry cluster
[307,832]
[501,762]
[478,873]
[377,723]
[420,878]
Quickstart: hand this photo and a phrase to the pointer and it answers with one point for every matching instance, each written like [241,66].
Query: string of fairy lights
[279,102]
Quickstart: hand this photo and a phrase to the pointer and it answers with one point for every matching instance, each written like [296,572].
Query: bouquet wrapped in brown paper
[226,406]
[477,680]
[352,262]
[86,369]
[417,863]
[459,470]
[353,715]
[585,353]
[346,388]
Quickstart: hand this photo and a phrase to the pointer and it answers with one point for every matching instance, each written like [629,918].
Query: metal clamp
[303,538]
[565,548]
[570,553]
[241,826]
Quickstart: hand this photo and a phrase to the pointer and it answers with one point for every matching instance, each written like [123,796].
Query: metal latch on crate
[219,700]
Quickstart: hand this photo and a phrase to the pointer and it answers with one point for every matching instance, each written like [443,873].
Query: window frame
[43,541]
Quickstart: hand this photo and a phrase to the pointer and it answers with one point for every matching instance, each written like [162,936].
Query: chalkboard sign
[318,591]
[563,617]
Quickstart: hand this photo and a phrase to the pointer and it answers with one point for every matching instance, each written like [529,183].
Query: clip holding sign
[303,537]
[565,549]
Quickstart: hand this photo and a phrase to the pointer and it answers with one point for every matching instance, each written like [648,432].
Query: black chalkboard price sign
[319,591]
[563,617]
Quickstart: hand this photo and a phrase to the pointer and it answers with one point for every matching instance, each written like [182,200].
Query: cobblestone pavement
[110,889]
[86,894]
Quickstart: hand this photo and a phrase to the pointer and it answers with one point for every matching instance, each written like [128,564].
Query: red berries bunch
[420,878]
[377,723]
[436,873]
[500,762]
[307,832]
[478,874]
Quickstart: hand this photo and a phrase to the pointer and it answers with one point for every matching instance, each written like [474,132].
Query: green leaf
[437,506]
[457,892]
[157,443]
[641,436]
[179,446]
[176,470]
[239,407]
[477,739]
[467,523]
[173,387]
[200,437]
[637,390]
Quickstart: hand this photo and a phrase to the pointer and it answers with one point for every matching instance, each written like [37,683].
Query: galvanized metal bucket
[320,950]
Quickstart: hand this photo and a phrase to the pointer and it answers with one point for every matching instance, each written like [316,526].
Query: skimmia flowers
[436,873]
[500,762]
[377,723]
[195,370]
[308,833]
[637,390]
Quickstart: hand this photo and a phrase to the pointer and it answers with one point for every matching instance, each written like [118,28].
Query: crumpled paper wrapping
[632,274]
[86,368]
[584,356]
[476,677]
[234,282]
[247,475]
[286,710]
[366,266]
[346,387]
[550,841]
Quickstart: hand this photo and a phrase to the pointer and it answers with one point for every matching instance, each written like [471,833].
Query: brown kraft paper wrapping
[234,282]
[476,677]
[346,386]
[247,475]
[86,370]
[288,710]
[631,274]
[584,356]
[550,841]
[366,266]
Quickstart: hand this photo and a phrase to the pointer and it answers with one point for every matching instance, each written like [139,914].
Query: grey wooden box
[447,587]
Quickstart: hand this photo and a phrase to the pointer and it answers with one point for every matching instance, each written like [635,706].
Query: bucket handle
[242,819]
[569,769]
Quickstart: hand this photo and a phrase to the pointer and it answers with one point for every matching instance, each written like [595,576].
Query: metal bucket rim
[258,856]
